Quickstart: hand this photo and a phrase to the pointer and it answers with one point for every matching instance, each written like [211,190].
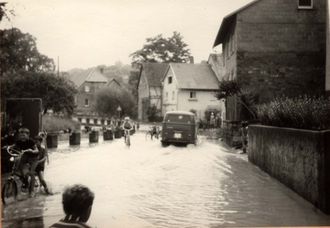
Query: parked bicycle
[13,184]
[154,131]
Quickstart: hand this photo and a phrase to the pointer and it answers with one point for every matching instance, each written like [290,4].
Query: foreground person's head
[77,203]
[23,134]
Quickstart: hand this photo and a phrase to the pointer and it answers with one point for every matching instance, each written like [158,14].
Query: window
[95,121]
[176,118]
[173,95]
[80,120]
[87,120]
[87,89]
[192,95]
[86,102]
[305,4]
[169,80]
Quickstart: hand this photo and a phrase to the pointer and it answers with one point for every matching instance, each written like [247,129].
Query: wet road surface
[150,186]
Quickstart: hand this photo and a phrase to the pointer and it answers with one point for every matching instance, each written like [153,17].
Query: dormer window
[305,4]
[169,80]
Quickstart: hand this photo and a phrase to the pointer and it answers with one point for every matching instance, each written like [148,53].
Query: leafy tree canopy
[18,51]
[4,12]
[57,93]
[161,49]
[108,100]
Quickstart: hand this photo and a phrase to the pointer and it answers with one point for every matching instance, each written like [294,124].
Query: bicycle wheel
[127,141]
[9,191]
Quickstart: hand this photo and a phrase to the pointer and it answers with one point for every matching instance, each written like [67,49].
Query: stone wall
[300,159]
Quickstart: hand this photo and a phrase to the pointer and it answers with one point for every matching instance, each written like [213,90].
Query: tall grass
[302,112]
[55,124]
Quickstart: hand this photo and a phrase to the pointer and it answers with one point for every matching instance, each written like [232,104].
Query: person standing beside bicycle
[29,159]
[43,156]
[127,126]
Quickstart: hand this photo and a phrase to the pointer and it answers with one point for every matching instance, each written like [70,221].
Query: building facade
[274,48]
[150,88]
[88,84]
[189,87]
[327,80]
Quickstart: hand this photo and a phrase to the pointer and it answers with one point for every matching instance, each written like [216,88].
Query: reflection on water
[150,186]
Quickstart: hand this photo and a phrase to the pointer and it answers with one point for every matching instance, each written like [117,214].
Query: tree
[108,100]
[133,81]
[4,12]
[245,97]
[57,93]
[18,51]
[160,49]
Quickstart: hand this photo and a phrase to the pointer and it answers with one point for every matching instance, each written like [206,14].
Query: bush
[302,112]
[55,124]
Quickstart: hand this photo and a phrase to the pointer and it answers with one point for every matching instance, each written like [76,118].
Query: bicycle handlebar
[10,151]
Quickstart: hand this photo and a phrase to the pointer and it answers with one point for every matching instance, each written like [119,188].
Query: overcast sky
[94,32]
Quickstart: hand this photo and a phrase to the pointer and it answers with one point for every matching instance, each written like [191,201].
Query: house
[88,84]
[274,48]
[216,63]
[189,87]
[150,88]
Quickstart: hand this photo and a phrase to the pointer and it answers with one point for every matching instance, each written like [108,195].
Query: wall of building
[281,49]
[216,63]
[279,26]
[229,50]
[327,85]
[155,97]
[143,94]
[298,158]
[200,103]
[277,74]
[170,93]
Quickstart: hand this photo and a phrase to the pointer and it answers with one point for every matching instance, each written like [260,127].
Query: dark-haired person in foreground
[77,205]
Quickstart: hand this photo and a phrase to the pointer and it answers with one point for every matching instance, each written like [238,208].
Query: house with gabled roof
[150,88]
[274,48]
[88,84]
[189,87]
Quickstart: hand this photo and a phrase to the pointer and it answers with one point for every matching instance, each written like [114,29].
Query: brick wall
[281,49]
[277,74]
[278,25]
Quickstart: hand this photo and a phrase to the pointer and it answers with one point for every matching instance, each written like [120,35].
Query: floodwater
[147,185]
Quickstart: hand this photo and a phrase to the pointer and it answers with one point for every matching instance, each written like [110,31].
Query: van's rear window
[177,118]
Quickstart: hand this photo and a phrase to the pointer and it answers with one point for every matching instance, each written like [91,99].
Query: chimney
[101,70]
[191,59]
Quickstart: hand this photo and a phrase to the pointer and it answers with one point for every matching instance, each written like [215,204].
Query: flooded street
[151,186]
